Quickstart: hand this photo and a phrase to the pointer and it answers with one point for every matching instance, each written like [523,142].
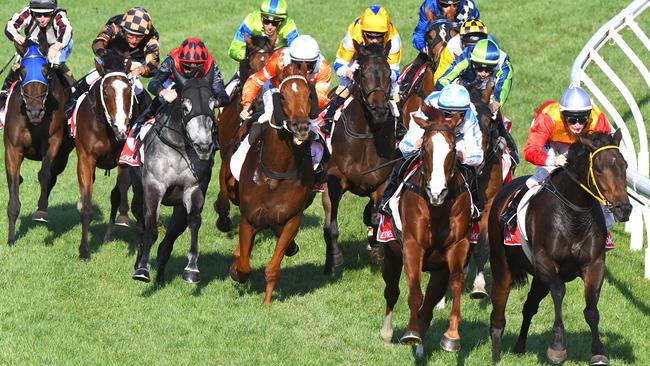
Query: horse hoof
[191,276]
[411,338]
[450,345]
[224,224]
[122,220]
[141,274]
[599,360]
[292,250]
[554,356]
[386,335]
[40,216]
[235,276]
[478,293]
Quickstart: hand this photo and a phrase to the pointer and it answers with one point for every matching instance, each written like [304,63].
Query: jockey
[41,19]
[132,33]
[270,20]
[192,60]
[471,31]
[453,99]
[303,50]
[372,27]
[457,11]
[556,126]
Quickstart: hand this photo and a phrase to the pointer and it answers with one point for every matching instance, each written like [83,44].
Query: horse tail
[519,279]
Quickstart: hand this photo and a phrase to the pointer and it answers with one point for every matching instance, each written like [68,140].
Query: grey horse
[178,159]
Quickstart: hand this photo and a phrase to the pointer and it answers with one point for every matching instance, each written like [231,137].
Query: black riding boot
[400,129]
[145,115]
[4,93]
[509,215]
[391,186]
[81,88]
[407,80]
[328,118]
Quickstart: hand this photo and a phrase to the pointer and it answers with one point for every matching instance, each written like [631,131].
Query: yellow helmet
[375,19]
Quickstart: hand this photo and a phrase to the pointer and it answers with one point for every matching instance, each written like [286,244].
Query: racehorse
[276,181]
[178,160]
[35,129]
[102,120]
[439,33]
[568,202]
[435,213]
[363,139]
[258,52]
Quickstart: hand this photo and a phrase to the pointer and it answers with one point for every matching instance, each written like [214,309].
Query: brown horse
[258,52]
[568,202]
[35,129]
[362,139]
[435,212]
[102,125]
[276,181]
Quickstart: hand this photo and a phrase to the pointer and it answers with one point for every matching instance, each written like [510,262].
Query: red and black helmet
[193,51]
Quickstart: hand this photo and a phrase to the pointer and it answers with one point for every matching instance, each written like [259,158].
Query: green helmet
[485,52]
[274,9]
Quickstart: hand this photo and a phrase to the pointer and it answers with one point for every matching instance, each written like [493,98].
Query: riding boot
[509,215]
[145,116]
[407,79]
[328,117]
[4,93]
[400,129]
[391,186]
[81,88]
[239,156]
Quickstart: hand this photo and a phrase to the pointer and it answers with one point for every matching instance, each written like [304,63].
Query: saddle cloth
[416,78]
[132,154]
[513,238]
[386,230]
[320,121]
[3,109]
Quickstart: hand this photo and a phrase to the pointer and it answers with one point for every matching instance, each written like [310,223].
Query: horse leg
[556,352]
[195,202]
[177,226]
[501,284]
[153,196]
[538,291]
[438,283]
[13,160]
[479,252]
[123,183]
[412,259]
[222,204]
[593,279]
[272,271]
[45,179]
[391,272]
[137,204]
[240,270]
[85,176]
[333,255]
[367,220]
[456,257]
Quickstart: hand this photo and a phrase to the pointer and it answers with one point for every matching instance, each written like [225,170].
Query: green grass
[57,310]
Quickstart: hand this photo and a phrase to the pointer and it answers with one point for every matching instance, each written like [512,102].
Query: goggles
[478,67]
[273,22]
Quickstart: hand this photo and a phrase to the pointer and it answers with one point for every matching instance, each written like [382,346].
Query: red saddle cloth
[511,237]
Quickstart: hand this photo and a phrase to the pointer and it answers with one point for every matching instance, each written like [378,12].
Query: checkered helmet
[136,21]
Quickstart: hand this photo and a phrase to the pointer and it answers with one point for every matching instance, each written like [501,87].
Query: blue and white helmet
[452,98]
[576,100]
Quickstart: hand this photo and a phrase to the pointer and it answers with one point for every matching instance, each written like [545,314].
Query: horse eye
[187,106]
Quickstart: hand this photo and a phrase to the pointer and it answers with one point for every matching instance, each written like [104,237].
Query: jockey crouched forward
[192,60]
[451,100]
[303,49]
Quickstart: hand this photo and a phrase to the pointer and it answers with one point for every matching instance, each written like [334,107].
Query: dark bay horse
[363,138]
[35,129]
[435,212]
[258,52]
[178,160]
[103,120]
[277,179]
[568,202]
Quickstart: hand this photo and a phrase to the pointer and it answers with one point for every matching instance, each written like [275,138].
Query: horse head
[259,50]
[197,106]
[292,105]
[116,91]
[439,32]
[373,79]
[35,77]
[600,166]
[438,150]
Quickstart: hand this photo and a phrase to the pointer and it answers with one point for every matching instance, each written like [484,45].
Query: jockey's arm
[16,24]
[420,29]
[503,82]
[218,89]
[471,140]
[151,57]
[63,28]
[412,140]
[237,49]
[256,81]
[288,31]
[446,58]
[540,132]
[345,62]
[394,58]
[453,72]
[102,40]
[163,73]
[322,82]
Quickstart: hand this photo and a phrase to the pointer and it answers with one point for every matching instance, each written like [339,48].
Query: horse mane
[114,62]
[375,49]
[260,41]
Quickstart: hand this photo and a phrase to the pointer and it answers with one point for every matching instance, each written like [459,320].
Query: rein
[101,94]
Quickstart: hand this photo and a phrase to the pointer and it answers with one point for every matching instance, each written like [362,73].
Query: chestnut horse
[35,129]
[435,213]
[102,125]
[568,202]
[363,138]
[276,181]
[258,52]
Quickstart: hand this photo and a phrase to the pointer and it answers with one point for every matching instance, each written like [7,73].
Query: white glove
[245,113]
[169,95]
[19,39]
[560,160]
[53,52]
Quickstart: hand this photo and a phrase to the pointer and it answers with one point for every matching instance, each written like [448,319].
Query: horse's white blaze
[120,113]
[294,87]
[440,151]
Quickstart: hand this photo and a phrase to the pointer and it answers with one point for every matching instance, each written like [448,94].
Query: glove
[53,52]
[19,39]
[502,143]
[169,95]
[245,113]
[560,160]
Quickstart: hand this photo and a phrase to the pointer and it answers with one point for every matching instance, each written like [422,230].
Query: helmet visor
[374,37]
[480,67]
[311,65]
[271,20]
[573,118]
[191,69]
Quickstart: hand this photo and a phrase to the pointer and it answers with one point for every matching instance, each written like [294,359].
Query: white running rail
[638,161]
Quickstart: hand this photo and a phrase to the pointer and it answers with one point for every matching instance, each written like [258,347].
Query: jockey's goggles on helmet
[449,114]
[447,3]
[273,22]
[311,65]
[191,69]
[471,39]
[478,67]
[376,36]
[39,14]
[573,118]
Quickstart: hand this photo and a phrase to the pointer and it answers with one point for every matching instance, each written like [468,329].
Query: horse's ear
[356,46]
[127,64]
[272,40]
[210,74]
[585,139]
[248,40]
[20,48]
[179,79]
[303,69]
[618,135]
[280,72]
[429,14]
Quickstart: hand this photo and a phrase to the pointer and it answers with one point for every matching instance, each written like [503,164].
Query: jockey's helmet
[575,105]
[472,31]
[453,98]
[274,10]
[136,21]
[305,49]
[448,2]
[192,56]
[375,19]
[42,6]
[485,55]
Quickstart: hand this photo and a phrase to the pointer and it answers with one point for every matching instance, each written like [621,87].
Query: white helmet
[304,48]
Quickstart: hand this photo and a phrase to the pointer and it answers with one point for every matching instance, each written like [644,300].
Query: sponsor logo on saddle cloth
[91,79]
[416,77]
[132,153]
[513,238]
[387,227]
[337,115]
[3,109]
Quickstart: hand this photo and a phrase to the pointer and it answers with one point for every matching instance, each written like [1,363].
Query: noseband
[101,93]
[591,178]
[277,105]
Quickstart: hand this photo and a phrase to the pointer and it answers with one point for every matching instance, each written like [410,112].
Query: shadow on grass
[625,291]
[62,218]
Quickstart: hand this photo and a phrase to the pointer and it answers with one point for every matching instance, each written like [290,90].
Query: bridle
[129,80]
[591,177]
[43,96]
[278,113]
